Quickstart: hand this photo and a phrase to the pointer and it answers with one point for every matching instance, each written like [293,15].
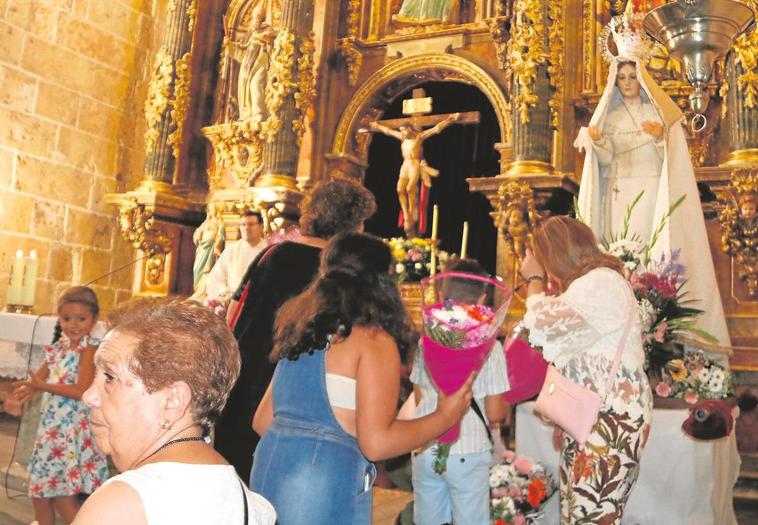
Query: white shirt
[193,494]
[227,273]
[492,380]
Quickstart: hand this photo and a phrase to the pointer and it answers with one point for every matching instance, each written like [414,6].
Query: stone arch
[379,90]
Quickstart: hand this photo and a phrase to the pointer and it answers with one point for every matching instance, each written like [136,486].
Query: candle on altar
[17,278]
[435,224]
[464,240]
[29,287]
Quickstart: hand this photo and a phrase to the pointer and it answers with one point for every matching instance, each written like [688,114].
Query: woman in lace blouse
[579,332]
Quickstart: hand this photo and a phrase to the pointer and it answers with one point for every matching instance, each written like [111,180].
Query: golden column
[154,216]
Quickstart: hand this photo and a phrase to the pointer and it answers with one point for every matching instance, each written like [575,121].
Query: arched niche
[349,150]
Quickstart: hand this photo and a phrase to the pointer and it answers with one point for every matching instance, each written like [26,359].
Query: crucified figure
[414,167]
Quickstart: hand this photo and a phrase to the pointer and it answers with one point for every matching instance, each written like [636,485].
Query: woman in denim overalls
[314,461]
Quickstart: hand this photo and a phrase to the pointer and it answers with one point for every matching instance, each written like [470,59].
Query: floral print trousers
[597,477]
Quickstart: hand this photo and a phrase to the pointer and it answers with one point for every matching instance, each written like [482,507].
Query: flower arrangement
[459,325]
[694,378]
[664,314]
[518,487]
[413,258]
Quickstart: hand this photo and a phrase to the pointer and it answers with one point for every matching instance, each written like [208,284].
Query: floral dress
[65,460]
[579,333]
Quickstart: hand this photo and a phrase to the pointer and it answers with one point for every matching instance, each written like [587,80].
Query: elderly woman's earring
[166,424]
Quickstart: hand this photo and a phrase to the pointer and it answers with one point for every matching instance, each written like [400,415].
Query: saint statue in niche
[209,243]
[251,82]
[424,11]
[635,142]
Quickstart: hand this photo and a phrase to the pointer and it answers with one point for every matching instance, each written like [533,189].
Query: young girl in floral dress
[64,461]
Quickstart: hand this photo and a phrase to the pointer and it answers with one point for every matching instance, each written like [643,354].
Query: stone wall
[72,86]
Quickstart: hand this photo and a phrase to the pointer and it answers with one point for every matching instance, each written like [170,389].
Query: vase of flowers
[518,489]
[413,258]
[694,378]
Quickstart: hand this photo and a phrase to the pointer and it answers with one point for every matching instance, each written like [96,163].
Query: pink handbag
[572,407]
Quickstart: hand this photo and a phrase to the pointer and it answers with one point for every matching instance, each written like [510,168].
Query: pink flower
[663,389]
[691,397]
[499,492]
[660,332]
[523,465]
[519,520]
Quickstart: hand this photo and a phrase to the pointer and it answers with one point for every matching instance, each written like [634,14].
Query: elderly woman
[162,375]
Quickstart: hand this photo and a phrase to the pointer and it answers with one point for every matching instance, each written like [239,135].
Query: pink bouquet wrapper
[449,368]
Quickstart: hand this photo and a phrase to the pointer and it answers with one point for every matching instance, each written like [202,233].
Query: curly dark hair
[354,288]
[335,206]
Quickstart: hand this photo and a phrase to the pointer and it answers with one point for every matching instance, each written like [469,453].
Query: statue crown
[628,36]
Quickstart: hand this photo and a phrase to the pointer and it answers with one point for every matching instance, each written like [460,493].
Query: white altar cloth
[682,481]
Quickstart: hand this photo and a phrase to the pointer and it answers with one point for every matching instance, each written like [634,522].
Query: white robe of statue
[631,161]
[664,170]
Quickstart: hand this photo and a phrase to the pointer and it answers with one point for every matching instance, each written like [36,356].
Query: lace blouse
[579,332]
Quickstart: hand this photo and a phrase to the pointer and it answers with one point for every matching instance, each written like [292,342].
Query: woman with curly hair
[331,407]
[277,274]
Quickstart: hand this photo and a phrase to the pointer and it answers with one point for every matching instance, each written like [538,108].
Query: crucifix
[411,133]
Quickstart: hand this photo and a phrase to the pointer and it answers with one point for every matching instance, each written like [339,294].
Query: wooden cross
[615,191]
[418,109]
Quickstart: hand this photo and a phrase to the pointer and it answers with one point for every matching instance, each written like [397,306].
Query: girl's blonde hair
[567,249]
[82,295]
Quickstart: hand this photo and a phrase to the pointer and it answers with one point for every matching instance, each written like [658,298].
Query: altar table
[682,481]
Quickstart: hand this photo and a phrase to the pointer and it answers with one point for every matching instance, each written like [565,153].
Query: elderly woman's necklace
[173,442]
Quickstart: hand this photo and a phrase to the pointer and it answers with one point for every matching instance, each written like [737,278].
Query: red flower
[37,489]
[89,466]
[500,521]
[56,453]
[73,474]
[582,466]
[52,483]
[536,492]
[51,434]
[84,423]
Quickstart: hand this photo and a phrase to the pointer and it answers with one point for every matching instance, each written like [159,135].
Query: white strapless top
[341,391]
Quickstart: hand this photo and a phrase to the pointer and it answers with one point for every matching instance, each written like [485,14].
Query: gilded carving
[280,82]
[555,69]
[588,43]
[180,102]
[516,216]
[498,26]
[191,16]
[353,58]
[746,56]
[136,222]
[157,100]
[304,93]
[526,53]
[739,226]
[237,149]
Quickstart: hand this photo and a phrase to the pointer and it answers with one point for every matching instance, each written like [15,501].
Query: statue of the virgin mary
[635,142]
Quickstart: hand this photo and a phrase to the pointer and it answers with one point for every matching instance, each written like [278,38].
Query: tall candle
[464,240]
[435,224]
[30,279]
[435,221]
[17,278]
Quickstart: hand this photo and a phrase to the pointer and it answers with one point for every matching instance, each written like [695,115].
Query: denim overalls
[306,465]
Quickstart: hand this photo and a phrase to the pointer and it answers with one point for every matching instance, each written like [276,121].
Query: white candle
[464,240]
[435,224]
[17,278]
[29,287]
[435,221]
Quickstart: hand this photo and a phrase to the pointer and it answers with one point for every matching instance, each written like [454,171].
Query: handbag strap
[244,502]
[478,412]
[617,360]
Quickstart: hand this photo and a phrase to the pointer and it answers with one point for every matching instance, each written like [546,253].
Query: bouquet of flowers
[518,487]
[413,258]
[462,314]
[664,313]
[694,378]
